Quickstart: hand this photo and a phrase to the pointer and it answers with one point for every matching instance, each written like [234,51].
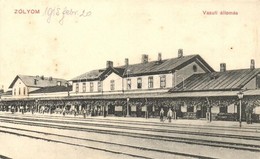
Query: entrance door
[138,111]
[243,112]
[203,112]
[111,109]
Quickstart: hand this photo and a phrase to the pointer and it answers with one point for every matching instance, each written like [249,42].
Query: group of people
[94,112]
[169,115]
[85,112]
[22,109]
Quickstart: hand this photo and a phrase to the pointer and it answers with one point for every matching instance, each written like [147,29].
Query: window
[128,83]
[112,85]
[163,81]
[139,83]
[58,83]
[223,109]
[77,87]
[14,91]
[24,91]
[194,67]
[19,92]
[150,82]
[84,87]
[190,109]
[99,86]
[91,87]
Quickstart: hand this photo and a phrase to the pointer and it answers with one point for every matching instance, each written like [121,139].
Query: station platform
[199,122]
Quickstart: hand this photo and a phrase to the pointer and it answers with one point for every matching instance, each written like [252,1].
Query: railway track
[83,127]
[20,132]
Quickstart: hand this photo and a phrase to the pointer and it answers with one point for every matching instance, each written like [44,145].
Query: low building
[217,92]
[26,90]
[23,85]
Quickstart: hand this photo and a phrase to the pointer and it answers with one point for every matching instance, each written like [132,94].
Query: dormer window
[58,83]
[35,81]
[194,67]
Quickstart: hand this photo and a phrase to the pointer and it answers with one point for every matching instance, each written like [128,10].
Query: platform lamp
[240,97]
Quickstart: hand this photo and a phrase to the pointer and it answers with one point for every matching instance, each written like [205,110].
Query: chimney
[180,53]
[35,81]
[126,62]
[109,64]
[159,56]
[144,58]
[222,67]
[252,64]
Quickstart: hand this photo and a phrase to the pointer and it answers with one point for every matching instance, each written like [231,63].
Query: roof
[149,68]
[228,80]
[7,93]
[52,89]
[147,95]
[41,81]
[98,74]
[164,66]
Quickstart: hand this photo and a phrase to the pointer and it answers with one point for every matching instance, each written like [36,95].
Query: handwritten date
[62,13]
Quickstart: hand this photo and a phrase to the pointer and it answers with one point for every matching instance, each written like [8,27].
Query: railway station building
[186,84]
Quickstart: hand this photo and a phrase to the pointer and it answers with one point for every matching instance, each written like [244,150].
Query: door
[203,112]
[111,109]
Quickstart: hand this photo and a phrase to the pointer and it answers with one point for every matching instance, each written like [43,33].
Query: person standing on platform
[169,115]
[12,109]
[161,115]
[64,111]
[32,109]
[84,113]
[146,112]
[98,110]
[22,109]
[105,112]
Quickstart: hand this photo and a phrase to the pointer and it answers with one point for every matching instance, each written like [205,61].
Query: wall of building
[156,81]
[30,89]
[251,84]
[105,85]
[19,85]
[118,83]
[215,109]
[186,72]
[56,94]
[232,108]
[179,76]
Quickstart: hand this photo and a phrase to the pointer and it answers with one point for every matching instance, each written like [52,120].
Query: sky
[65,38]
